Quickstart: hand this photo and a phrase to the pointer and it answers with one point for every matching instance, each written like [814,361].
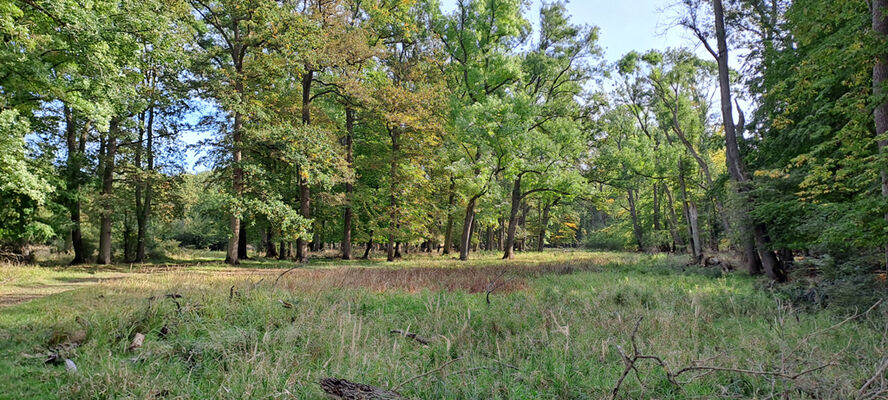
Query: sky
[624,25]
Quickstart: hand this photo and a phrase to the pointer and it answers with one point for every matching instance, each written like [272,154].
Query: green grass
[549,333]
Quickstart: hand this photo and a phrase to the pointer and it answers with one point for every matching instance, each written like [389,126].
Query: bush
[607,239]
[163,249]
[821,282]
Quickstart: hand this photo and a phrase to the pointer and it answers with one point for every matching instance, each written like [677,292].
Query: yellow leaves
[771,173]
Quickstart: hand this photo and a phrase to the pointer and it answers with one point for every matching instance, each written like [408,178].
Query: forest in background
[359,124]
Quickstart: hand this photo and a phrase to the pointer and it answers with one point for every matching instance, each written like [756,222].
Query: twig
[282,274]
[400,385]
[493,285]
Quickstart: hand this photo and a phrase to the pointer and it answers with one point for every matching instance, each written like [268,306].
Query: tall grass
[549,333]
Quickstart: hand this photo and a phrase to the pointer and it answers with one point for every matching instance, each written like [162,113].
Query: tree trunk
[242,241]
[237,183]
[656,207]
[304,190]
[690,213]
[107,193]
[143,205]
[74,176]
[509,246]
[448,231]
[349,158]
[522,222]
[393,200]
[366,255]
[673,220]
[732,149]
[544,224]
[466,237]
[270,251]
[880,76]
[636,227]
[489,245]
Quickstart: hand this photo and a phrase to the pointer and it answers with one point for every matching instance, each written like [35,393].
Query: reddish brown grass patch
[475,279]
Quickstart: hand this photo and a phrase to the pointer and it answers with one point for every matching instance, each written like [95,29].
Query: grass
[550,331]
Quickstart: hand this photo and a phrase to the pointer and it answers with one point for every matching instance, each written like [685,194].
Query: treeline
[371,123]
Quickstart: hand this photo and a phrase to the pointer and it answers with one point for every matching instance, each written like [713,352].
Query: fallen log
[345,390]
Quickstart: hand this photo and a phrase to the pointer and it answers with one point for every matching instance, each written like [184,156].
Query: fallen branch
[411,335]
[629,362]
[880,374]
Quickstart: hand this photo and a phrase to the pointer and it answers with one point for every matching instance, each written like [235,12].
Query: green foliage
[23,190]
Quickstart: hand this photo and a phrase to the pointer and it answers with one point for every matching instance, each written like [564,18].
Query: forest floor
[559,324]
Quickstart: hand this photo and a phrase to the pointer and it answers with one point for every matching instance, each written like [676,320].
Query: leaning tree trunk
[107,193]
[880,76]
[349,158]
[772,266]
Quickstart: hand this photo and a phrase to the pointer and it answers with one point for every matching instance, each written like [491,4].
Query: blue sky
[625,25]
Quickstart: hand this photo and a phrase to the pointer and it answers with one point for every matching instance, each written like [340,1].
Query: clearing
[554,327]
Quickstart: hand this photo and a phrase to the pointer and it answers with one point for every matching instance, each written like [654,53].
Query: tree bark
[349,158]
[107,193]
[465,239]
[880,76]
[636,227]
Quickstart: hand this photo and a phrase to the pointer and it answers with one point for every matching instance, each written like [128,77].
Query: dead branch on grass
[866,393]
[630,361]
[411,335]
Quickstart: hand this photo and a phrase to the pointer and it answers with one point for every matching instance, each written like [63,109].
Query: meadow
[554,325]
